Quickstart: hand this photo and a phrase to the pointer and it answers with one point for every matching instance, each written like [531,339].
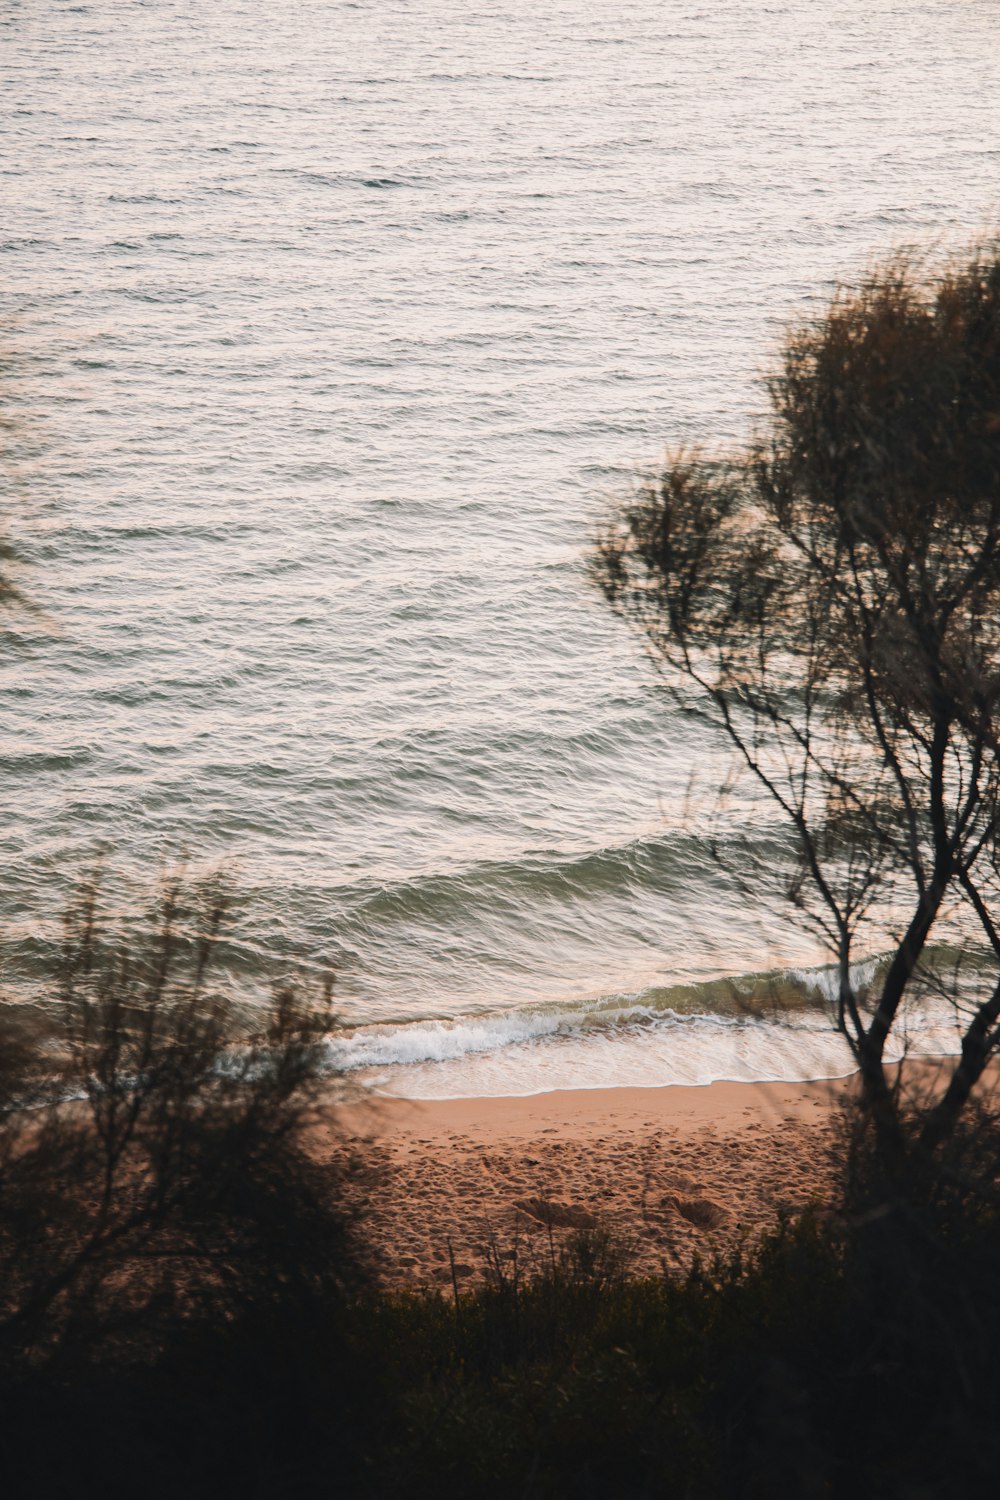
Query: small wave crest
[443,1041]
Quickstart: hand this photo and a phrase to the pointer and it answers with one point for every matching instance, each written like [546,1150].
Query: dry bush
[153,1167]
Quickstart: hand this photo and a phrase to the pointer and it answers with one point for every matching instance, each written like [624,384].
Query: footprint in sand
[545,1213]
[703,1213]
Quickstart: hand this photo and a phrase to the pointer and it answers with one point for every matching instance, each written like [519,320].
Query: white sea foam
[636,1046]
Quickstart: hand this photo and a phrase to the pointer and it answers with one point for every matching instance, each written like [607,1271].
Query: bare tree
[154,1158]
[831,599]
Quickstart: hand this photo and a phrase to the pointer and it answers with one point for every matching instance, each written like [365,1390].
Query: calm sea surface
[327,331]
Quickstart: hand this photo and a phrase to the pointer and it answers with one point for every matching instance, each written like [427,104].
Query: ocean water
[327,332]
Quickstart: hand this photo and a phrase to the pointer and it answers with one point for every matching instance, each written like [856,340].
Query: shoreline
[723,1104]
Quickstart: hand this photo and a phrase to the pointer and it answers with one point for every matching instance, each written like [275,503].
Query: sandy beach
[673,1171]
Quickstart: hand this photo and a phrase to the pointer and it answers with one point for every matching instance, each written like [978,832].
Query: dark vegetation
[167,1242]
[186,1308]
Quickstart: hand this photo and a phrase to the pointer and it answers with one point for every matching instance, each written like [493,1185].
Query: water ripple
[328,329]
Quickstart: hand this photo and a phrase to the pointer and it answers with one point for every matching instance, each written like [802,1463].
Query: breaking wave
[773,1027]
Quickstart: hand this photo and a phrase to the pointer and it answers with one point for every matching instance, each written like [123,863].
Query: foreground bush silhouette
[830,600]
[168,1244]
[186,1310]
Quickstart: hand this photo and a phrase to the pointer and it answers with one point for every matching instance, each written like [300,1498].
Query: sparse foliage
[153,1160]
[831,599]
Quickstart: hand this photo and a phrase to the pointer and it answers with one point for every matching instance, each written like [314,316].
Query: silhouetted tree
[154,1159]
[831,598]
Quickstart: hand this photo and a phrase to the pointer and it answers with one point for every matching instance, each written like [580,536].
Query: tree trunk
[878,1100]
[976,1049]
[904,962]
